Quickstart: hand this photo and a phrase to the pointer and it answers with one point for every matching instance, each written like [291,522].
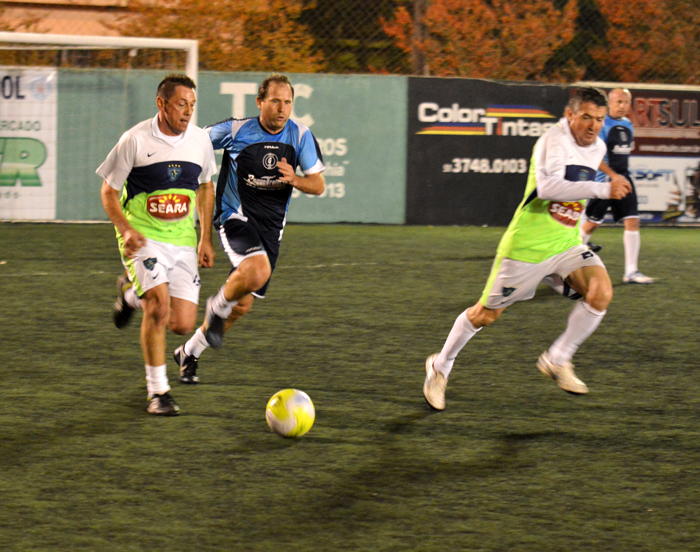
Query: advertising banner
[360,125]
[665,160]
[398,150]
[27,143]
[469,147]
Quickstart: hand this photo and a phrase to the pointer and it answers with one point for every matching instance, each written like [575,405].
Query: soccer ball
[290,413]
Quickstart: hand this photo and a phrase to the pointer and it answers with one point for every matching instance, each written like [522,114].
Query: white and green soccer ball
[290,413]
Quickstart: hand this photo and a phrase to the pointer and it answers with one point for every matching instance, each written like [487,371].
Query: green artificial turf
[512,464]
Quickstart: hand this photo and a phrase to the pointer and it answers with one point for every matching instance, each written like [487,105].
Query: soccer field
[512,464]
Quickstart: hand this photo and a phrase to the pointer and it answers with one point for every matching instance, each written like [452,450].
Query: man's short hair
[587,94]
[274,77]
[167,86]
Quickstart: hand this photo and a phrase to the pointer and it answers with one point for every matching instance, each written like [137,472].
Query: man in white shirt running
[542,243]
[152,178]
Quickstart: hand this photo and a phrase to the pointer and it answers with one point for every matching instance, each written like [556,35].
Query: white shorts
[159,263]
[512,281]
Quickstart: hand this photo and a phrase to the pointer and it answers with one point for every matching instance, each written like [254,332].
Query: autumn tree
[234,35]
[651,40]
[496,39]
[689,12]
[349,36]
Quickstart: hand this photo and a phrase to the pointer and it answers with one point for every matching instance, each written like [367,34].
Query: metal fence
[543,40]
[650,41]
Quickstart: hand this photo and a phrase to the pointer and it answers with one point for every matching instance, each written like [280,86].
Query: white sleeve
[550,166]
[117,167]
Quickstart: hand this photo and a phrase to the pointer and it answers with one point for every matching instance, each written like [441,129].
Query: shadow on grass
[416,473]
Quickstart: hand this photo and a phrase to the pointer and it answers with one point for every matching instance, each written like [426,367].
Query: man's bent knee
[599,301]
[258,273]
[258,280]
[183,316]
[156,307]
[252,274]
[181,327]
[600,294]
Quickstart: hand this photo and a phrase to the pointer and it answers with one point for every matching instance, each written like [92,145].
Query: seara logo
[495,120]
[171,207]
[566,212]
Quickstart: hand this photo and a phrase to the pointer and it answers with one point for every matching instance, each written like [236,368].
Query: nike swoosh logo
[149,154]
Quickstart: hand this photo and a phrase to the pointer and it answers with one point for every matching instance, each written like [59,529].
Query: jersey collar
[172,140]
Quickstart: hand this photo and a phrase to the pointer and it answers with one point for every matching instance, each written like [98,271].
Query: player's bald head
[618,93]
[619,100]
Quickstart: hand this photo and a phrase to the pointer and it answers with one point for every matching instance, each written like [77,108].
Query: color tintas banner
[469,147]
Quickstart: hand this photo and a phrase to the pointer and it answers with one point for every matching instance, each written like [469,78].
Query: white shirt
[144,145]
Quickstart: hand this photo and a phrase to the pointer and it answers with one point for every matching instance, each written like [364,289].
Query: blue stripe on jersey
[574,173]
[220,133]
[222,189]
[579,173]
[163,176]
[249,182]
[618,135]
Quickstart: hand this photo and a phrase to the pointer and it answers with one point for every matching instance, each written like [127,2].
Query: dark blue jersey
[249,185]
[618,136]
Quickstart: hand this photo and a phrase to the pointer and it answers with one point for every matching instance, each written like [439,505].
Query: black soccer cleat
[163,405]
[595,247]
[188,366]
[214,325]
[122,312]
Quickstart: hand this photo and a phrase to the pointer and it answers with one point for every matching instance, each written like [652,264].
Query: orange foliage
[234,35]
[647,40]
[496,39]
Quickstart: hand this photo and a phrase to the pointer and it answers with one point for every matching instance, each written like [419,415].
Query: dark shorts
[620,208]
[242,239]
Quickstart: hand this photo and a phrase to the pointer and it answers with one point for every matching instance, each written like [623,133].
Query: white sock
[462,331]
[156,380]
[196,344]
[633,242]
[221,306]
[132,299]
[583,321]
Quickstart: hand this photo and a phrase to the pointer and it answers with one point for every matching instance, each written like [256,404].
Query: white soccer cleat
[435,384]
[637,278]
[562,374]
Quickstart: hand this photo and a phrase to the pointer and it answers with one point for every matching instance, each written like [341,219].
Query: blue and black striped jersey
[618,135]
[249,185]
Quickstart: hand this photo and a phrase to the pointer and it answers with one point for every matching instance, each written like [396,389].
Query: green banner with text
[360,125]
[359,122]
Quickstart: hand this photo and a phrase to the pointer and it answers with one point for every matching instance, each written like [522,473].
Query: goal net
[66,100]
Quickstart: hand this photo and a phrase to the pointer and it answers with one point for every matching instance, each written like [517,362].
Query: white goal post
[77,42]
[57,124]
